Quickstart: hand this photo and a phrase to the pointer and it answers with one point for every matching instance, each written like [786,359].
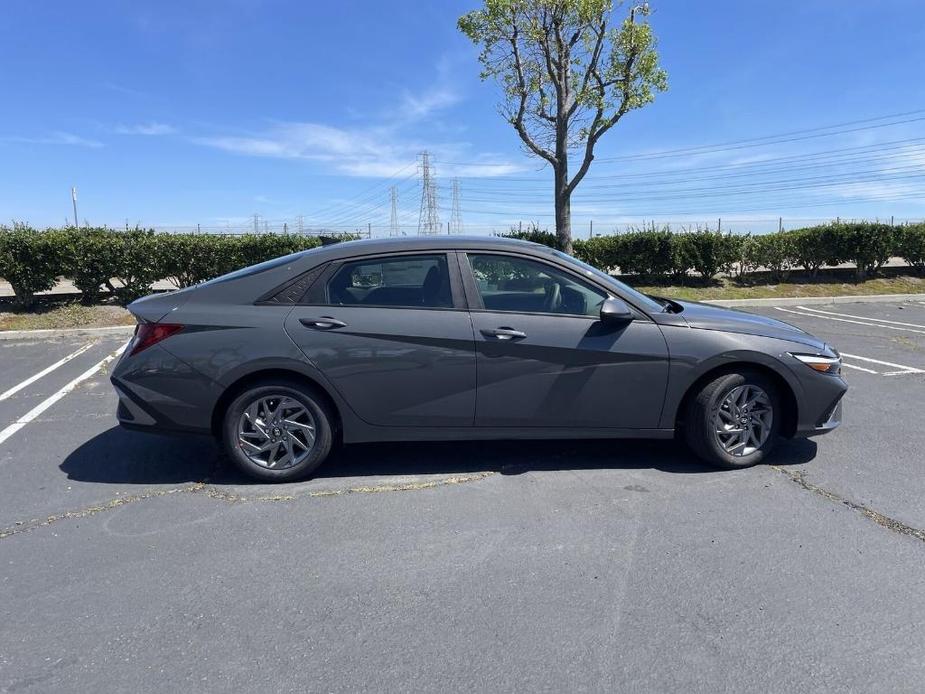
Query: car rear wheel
[277,431]
[734,420]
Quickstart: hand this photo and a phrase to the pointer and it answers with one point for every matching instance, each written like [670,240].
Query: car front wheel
[734,420]
[277,431]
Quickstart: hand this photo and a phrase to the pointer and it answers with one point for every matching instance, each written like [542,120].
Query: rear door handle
[504,334]
[323,323]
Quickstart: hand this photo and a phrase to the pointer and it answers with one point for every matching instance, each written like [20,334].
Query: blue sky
[177,113]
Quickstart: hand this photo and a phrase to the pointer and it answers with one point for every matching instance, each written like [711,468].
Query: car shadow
[517,457]
[118,456]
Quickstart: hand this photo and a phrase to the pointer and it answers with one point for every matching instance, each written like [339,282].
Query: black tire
[699,426]
[267,389]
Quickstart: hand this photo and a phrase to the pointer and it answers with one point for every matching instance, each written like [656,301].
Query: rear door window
[409,281]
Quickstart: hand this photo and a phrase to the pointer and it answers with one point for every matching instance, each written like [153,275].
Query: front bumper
[821,409]
[831,420]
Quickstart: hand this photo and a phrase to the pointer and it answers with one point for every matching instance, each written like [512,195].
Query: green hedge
[659,253]
[910,245]
[30,260]
[126,264]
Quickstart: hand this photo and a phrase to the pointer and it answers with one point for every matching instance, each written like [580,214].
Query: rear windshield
[259,267]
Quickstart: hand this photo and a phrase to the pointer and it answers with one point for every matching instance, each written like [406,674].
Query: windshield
[637,298]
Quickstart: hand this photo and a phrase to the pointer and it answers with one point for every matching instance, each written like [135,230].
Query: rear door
[545,359]
[392,334]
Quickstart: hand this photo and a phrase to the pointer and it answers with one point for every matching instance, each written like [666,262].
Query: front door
[545,359]
[395,340]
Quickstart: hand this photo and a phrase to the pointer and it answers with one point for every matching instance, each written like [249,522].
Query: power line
[684,175]
[759,141]
[366,193]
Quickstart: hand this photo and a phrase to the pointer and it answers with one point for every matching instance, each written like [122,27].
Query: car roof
[396,244]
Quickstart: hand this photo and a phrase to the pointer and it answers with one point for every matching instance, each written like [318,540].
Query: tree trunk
[23,298]
[563,197]
[563,217]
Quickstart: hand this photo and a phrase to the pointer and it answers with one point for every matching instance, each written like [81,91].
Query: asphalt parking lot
[133,562]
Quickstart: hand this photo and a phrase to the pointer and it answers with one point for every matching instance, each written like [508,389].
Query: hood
[708,317]
[154,307]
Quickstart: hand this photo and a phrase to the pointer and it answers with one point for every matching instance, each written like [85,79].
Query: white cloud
[57,137]
[380,148]
[150,128]
[378,151]
[373,152]
[418,106]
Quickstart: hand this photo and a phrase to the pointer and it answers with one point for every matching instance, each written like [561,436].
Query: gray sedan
[461,338]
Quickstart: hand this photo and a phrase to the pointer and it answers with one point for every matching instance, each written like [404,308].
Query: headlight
[825,365]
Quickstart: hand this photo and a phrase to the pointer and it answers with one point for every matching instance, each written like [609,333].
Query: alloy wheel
[276,432]
[743,421]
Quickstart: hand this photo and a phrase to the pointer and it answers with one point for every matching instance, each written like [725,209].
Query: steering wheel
[553,297]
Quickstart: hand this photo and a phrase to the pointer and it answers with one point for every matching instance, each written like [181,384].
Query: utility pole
[393,218]
[74,200]
[455,226]
[429,218]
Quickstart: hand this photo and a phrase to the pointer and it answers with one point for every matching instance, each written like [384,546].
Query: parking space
[139,562]
[876,458]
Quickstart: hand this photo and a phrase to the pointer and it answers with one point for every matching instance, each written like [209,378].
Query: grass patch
[67,315]
[831,283]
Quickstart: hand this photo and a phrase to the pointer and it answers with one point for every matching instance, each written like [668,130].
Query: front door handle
[504,334]
[323,323]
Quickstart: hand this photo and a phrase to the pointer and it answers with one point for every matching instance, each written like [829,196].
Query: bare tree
[568,77]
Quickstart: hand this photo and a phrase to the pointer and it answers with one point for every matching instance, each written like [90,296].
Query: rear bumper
[158,392]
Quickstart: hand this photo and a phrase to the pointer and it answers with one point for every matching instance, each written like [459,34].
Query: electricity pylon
[393,221]
[429,218]
[456,225]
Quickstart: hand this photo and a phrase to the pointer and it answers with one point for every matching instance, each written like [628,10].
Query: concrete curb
[66,332]
[810,300]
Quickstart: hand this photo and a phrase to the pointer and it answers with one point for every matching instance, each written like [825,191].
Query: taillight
[147,334]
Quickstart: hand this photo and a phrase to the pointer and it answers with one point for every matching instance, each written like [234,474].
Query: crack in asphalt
[25,526]
[204,489]
[880,519]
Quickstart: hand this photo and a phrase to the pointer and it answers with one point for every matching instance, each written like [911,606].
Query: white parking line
[859,368]
[902,368]
[44,372]
[848,315]
[847,320]
[55,397]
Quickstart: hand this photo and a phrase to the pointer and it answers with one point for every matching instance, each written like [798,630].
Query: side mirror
[615,311]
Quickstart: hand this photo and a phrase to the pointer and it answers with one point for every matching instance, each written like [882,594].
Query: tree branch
[592,64]
[518,120]
[601,125]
